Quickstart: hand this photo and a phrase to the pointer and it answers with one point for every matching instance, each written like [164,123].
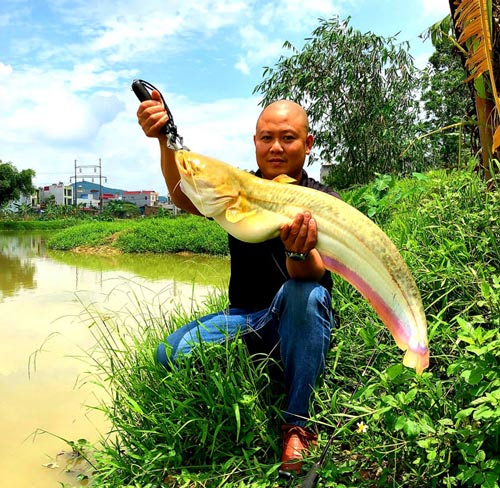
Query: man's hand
[152,116]
[301,235]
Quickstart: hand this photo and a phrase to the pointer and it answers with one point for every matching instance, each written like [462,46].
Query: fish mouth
[181,162]
[187,166]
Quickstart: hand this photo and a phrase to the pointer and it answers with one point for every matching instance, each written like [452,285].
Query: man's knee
[162,356]
[306,292]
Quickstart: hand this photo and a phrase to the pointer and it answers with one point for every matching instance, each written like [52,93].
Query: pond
[42,297]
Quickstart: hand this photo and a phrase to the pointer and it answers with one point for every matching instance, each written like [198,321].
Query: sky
[66,67]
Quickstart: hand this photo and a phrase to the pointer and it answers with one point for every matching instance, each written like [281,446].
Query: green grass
[215,421]
[156,235]
[36,224]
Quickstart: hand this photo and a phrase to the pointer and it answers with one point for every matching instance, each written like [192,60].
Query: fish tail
[417,358]
[406,338]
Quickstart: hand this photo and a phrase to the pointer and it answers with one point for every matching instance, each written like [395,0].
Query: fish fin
[284,179]
[236,212]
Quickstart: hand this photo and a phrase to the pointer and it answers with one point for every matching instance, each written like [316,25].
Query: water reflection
[42,295]
[200,269]
[16,269]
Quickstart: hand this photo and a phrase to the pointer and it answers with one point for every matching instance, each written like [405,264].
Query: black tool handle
[141,91]
[311,478]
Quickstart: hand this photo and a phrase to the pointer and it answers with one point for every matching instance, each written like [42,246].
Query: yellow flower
[362,428]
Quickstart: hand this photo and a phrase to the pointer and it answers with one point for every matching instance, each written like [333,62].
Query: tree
[360,93]
[449,124]
[121,210]
[13,183]
[477,29]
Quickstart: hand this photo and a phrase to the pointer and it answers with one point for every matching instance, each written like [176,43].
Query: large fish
[253,209]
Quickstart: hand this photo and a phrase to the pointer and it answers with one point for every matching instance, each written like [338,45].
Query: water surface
[43,295]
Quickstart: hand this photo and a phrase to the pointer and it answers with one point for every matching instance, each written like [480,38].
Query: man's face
[282,141]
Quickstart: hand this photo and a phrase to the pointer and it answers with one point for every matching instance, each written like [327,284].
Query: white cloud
[295,15]
[273,23]
[422,59]
[242,66]
[127,29]
[5,70]
[257,48]
[45,104]
[221,131]
[65,78]
[436,8]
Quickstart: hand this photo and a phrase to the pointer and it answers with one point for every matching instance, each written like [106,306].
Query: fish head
[210,184]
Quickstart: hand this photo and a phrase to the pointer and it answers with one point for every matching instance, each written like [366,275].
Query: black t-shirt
[259,270]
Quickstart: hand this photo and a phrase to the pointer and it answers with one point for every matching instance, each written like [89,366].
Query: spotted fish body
[254,209]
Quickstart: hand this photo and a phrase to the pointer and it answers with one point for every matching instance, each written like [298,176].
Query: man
[279,292]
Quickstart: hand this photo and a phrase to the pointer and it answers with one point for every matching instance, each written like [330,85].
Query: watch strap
[296,256]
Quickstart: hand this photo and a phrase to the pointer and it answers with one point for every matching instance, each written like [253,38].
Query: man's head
[282,140]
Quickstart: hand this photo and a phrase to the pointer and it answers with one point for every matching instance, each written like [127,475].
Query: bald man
[279,291]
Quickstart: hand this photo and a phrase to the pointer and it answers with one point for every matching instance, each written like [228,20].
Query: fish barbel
[351,245]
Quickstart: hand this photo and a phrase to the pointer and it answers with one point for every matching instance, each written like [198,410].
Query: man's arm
[152,118]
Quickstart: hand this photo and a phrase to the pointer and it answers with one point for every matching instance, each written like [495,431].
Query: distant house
[63,194]
[30,200]
[143,198]
[86,194]
[164,203]
[325,170]
[88,200]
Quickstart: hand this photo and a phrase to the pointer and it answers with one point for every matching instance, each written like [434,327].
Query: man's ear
[309,143]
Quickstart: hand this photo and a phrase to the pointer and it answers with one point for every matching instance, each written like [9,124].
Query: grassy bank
[215,421]
[156,235]
[35,225]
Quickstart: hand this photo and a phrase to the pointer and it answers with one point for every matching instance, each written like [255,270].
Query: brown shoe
[295,440]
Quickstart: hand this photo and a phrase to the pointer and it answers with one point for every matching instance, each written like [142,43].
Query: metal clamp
[142,90]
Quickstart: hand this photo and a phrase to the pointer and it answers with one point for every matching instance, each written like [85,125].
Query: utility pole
[83,175]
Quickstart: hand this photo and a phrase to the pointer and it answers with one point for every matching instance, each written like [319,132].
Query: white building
[30,200]
[324,170]
[143,198]
[88,200]
[63,194]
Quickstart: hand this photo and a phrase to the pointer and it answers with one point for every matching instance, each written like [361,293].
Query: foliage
[215,408]
[477,30]
[214,421]
[359,92]
[380,197]
[159,235]
[433,425]
[14,183]
[183,233]
[449,108]
[91,234]
[120,210]
[36,224]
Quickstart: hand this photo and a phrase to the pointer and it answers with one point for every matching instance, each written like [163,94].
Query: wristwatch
[296,256]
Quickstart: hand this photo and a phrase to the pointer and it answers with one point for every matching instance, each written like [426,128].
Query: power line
[79,174]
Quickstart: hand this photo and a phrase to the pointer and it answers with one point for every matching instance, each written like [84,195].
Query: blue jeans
[300,320]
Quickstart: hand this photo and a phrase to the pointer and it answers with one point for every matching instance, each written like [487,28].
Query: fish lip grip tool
[142,90]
